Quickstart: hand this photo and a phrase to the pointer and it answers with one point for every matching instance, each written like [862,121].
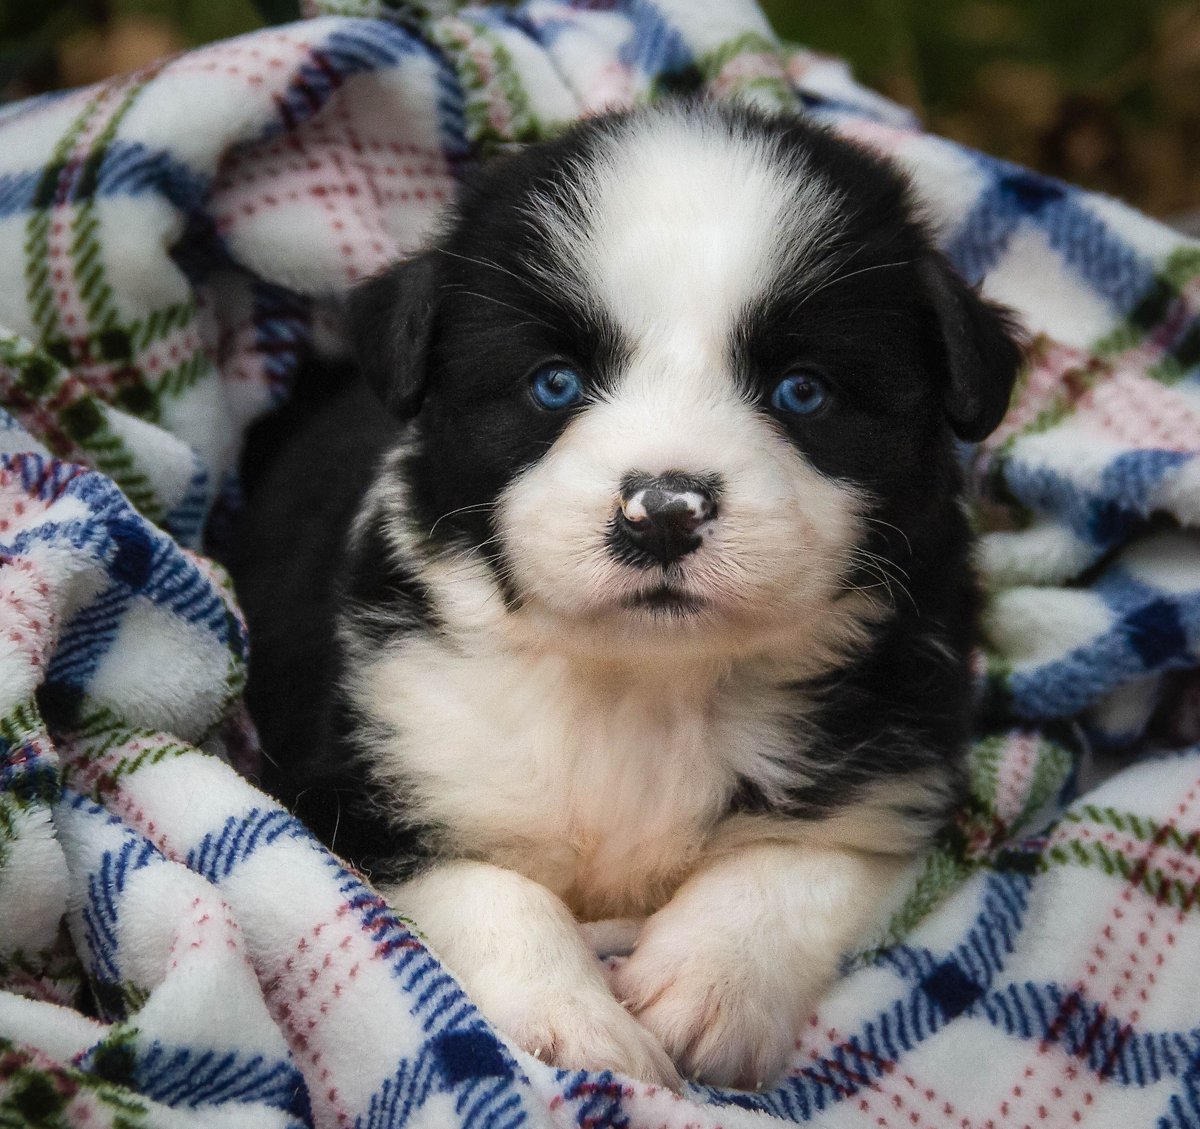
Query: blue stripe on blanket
[41,478]
[17,191]
[1161,634]
[185,1076]
[282,332]
[218,854]
[176,584]
[125,168]
[28,771]
[654,45]
[469,1062]
[185,522]
[599,1097]
[188,1077]
[83,535]
[1106,264]
[1105,510]
[361,47]
[141,562]
[1108,1046]
[382,43]
[460,1053]
[105,886]
[1183,1110]
[128,168]
[88,637]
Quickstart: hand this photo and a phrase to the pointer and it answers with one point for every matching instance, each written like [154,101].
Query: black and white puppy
[640,589]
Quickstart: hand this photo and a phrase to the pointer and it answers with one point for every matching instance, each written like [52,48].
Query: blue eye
[555,386]
[800,393]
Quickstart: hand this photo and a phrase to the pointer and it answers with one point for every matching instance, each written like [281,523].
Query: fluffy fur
[677,653]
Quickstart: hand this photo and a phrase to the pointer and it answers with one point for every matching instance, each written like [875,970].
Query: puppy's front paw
[723,1013]
[522,958]
[581,1030]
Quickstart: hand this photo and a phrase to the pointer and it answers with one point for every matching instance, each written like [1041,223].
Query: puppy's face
[673,375]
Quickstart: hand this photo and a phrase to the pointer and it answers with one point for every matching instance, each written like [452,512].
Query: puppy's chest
[602,787]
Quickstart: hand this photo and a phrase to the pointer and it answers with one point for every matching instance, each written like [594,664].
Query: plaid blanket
[176,950]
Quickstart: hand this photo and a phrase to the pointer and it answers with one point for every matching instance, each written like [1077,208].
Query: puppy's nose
[661,517]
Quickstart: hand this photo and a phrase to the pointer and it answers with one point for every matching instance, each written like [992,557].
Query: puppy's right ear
[980,350]
[390,322]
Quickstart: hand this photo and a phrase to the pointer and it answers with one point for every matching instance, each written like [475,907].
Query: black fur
[294,574]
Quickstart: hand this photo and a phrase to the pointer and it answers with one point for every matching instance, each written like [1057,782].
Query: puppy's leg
[522,958]
[728,970]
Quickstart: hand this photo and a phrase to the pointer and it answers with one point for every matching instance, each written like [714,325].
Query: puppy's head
[667,373]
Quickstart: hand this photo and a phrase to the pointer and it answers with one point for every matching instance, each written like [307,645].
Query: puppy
[632,581]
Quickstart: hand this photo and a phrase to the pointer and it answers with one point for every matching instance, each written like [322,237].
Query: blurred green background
[1105,93]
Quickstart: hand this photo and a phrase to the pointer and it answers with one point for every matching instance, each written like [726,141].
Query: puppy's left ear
[390,320]
[982,354]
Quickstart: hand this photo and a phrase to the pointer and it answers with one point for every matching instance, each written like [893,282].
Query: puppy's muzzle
[661,519]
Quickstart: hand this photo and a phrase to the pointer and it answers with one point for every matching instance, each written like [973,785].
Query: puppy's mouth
[667,600]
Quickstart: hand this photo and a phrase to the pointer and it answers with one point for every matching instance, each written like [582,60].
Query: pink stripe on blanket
[319,993]
[322,964]
[885,139]
[1119,965]
[29,622]
[346,181]
[1176,862]
[211,923]
[101,778]
[266,61]
[906,1102]
[1014,776]
[1141,412]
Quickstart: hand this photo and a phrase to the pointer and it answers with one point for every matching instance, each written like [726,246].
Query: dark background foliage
[1105,93]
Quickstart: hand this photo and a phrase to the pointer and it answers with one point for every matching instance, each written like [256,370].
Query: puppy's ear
[390,322]
[979,343]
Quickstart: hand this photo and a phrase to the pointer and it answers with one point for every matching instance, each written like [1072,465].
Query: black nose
[660,518]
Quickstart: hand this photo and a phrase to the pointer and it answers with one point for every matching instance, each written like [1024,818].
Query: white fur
[586,751]
[600,782]
[524,961]
[679,223]
[727,971]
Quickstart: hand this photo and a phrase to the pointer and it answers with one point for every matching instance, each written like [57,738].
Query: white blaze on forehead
[683,221]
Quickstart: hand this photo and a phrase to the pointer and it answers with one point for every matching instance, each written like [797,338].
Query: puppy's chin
[666,600]
[666,621]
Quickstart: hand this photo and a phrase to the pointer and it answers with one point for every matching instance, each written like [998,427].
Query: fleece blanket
[176,950]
